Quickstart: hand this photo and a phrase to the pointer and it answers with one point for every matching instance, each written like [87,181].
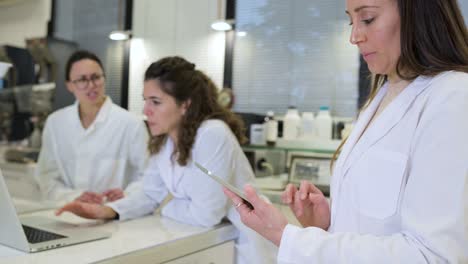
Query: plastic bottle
[271,127]
[307,125]
[323,123]
[292,123]
[35,138]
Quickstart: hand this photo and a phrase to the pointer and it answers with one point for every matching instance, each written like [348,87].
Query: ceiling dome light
[221,25]
[122,32]
[119,35]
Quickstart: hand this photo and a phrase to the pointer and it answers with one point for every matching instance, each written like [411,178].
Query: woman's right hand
[88,210]
[91,197]
[308,204]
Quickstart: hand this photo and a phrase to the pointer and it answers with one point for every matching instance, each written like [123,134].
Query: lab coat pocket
[380,176]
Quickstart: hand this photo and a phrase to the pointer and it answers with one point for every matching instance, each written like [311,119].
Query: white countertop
[152,237]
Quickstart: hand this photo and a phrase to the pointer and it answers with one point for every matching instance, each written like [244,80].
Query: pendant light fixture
[221,24]
[120,34]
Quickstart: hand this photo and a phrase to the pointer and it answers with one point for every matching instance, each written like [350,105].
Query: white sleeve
[138,157]
[434,217]
[143,200]
[49,174]
[207,204]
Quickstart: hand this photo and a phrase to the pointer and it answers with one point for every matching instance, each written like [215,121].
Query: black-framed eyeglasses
[83,83]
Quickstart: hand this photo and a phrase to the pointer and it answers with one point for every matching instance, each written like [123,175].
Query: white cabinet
[219,254]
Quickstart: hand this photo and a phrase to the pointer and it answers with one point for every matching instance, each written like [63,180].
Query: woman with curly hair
[187,124]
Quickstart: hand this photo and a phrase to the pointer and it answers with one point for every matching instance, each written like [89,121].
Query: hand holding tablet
[225,184]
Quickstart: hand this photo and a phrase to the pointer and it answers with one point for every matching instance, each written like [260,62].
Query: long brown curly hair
[180,79]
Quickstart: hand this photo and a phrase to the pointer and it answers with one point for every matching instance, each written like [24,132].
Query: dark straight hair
[80,55]
[433,39]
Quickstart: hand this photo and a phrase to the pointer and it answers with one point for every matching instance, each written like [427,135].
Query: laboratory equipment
[313,167]
[266,161]
[34,101]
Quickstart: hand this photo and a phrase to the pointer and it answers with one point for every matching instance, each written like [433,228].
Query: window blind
[294,53]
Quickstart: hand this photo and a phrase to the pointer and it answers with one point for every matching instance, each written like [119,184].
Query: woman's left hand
[265,219]
[114,194]
[308,204]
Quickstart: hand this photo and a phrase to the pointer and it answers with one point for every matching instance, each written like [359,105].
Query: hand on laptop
[113,194]
[88,210]
[91,197]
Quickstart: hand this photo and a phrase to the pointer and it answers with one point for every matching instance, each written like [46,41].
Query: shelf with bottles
[316,145]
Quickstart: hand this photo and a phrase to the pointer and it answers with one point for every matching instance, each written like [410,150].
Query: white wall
[176,27]
[23,19]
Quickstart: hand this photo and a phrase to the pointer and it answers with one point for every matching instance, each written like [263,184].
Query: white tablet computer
[225,184]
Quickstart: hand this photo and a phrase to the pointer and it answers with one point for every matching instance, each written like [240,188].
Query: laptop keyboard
[35,235]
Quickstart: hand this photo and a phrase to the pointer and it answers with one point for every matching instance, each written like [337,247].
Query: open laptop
[34,233]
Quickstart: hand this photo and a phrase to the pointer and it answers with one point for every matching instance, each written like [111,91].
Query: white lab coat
[400,193]
[111,153]
[197,199]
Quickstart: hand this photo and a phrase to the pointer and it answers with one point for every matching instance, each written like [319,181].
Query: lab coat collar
[103,113]
[394,112]
[101,117]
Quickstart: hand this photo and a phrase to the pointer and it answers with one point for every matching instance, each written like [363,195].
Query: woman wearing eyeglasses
[92,150]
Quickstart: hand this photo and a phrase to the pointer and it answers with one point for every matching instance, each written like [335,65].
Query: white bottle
[291,124]
[323,123]
[271,128]
[307,125]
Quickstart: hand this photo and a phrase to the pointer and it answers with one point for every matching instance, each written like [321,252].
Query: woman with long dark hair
[399,190]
